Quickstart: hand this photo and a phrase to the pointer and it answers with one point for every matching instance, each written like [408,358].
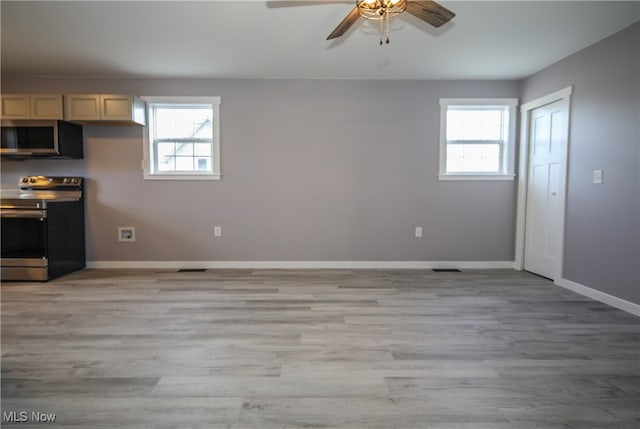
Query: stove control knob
[65,180]
[25,180]
[75,180]
[32,180]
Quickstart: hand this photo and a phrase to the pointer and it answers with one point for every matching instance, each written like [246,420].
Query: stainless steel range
[42,228]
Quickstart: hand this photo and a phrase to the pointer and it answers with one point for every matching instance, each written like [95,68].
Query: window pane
[202,149]
[473,158]
[204,164]
[167,164]
[184,149]
[183,122]
[165,149]
[182,136]
[166,161]
[184,163]
[476,141]
[474,124]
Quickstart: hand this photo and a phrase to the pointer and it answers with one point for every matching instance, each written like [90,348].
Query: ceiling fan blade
[430,12]
[345,24]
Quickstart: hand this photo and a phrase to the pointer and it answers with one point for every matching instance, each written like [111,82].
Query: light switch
[597,177]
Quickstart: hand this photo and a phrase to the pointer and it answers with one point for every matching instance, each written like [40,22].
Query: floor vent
[192,270]
[446,270]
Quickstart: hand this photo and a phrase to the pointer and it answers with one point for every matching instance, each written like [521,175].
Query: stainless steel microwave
[30,138]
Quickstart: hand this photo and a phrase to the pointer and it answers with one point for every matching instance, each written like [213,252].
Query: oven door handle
[17,213]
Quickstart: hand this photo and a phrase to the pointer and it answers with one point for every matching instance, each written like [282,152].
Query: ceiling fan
[382,10]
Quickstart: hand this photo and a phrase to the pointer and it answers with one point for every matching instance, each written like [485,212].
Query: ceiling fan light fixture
[380,9]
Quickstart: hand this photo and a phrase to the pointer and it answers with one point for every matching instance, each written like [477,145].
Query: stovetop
[57,183]
[37,191]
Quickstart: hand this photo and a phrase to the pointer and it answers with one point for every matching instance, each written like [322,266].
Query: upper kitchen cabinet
[31,106]
[105,109]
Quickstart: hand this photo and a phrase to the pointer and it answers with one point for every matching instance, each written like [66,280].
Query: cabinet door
[46,106]
[15,106]
[116,107]
[82,107]
[139,111]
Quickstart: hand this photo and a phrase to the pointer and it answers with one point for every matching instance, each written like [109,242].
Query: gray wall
[344,171]
[602,242]
[312,170]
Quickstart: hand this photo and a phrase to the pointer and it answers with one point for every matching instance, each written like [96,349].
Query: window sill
[182,176]
[477,177]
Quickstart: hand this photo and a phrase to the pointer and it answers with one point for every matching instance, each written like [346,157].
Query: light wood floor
[332,348]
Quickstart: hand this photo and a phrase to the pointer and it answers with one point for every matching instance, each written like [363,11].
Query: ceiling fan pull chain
[380,32]
[387,19]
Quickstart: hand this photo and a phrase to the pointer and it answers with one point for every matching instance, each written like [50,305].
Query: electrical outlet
[217,231]
[418,232]
[597,177]
[126,233]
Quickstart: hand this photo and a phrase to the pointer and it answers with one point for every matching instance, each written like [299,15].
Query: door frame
[523,176]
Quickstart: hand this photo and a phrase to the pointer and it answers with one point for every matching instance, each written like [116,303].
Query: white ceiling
[272,39]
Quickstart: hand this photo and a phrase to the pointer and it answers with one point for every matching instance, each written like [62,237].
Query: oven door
[24,244]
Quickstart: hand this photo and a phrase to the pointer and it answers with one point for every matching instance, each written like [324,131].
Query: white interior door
[548,134]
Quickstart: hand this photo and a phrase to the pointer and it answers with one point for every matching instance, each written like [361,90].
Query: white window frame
[147,162]
[507,147]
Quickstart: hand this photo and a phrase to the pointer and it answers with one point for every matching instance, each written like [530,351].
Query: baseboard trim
[288,265]
[605,298]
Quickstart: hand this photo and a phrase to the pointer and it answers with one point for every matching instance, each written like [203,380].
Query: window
[477,139]
[183,138]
